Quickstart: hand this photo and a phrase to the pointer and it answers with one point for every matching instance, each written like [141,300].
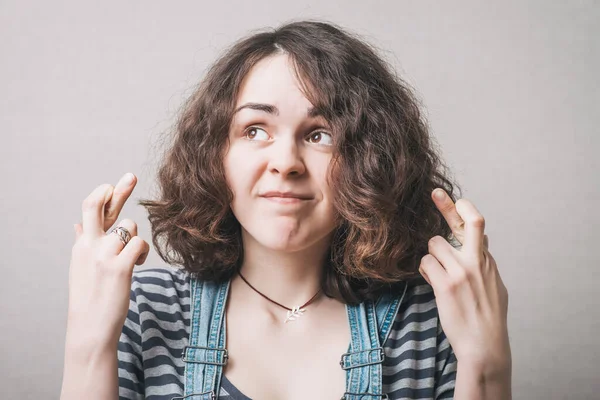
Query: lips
[286,195]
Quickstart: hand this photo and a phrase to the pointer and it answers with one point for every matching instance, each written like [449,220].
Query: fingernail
[128,178]
[439,194]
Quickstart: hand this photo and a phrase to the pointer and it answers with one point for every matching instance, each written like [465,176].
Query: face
[277,161]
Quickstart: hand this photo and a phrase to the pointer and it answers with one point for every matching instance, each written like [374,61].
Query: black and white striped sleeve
[129,351]
[445,365]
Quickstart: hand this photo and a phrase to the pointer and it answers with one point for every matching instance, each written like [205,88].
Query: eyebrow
[312,112]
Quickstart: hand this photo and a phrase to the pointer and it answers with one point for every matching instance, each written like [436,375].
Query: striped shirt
[419,362]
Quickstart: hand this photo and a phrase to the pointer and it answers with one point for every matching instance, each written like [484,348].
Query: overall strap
[370,324]
[386,308]
[205,354]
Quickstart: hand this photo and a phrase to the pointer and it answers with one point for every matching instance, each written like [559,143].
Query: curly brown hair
[384,167]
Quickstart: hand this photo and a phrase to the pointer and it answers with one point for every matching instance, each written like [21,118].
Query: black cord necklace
[293,313]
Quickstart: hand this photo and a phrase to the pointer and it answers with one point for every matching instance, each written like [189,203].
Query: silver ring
[122,233]
[454,241]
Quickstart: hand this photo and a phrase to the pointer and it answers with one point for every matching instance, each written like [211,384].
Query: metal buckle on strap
[213,395]
[349,355]
[223,350]
[383,396]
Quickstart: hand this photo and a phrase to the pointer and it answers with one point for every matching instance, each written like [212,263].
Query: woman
[299,198]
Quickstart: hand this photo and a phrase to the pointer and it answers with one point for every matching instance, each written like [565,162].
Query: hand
[101,269]
[471,298]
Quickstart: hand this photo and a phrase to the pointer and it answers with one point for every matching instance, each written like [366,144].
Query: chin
[286,236]
[282,241]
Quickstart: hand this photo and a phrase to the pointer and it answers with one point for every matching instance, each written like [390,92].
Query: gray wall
[511,92]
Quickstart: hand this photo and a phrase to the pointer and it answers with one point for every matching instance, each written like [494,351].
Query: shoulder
[154,333]
[419,360]
[419,297]
[417,317]
[162,273]
[416,296]
[162,290]
[159,279]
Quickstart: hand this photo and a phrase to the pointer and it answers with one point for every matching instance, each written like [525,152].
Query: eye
[322,138]
[256,133]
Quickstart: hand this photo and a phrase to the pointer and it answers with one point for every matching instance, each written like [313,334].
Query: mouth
[285,200]
[286,197]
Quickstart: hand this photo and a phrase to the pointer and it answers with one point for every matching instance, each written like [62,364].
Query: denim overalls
[205,355]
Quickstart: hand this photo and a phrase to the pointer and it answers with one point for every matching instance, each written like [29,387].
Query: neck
[289,278]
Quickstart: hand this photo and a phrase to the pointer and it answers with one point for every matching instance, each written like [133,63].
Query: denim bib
[205,354]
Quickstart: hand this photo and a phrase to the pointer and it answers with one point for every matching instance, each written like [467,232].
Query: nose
[286,158]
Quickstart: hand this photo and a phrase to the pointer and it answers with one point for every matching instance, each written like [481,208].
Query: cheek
[236,169]
[242,171]
[326,208]
[328,195]
[318,164]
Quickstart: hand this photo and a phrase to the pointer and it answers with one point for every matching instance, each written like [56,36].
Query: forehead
[272,81]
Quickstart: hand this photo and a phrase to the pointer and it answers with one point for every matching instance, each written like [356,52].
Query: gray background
[511,93]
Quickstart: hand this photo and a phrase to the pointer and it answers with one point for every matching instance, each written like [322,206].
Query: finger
[444,253]
[114,244]
[435,272]
[142,258]
[474,226]
[93,210]
[135,252]
[424,275]
[120,195]
[447,207]
[78,230]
